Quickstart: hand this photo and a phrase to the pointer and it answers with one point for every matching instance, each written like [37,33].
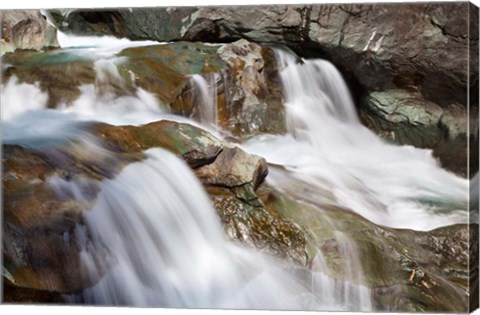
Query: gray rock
[26,29]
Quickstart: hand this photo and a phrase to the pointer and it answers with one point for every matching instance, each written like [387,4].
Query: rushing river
[162,233]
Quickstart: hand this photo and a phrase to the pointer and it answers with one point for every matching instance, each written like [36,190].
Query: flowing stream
[165,242]
[326,147]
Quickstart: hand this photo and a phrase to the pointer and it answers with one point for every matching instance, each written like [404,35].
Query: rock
[58,73]
[164,70]
[26,29]
[254,225]
[252,88]
[40,247]
[407,118]
[14,294]
[252,103]
[385,46]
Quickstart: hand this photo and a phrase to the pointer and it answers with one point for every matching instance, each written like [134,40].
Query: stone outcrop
[26,29]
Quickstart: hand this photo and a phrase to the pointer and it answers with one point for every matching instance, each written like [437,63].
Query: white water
[166,245]
[206,93]
[167,248]
[328,148]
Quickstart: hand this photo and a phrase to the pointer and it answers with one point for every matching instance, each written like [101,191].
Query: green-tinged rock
[256,226]
[406,270]
[183,57]
[230,175]
[42,213]
[58,73]
[407,118]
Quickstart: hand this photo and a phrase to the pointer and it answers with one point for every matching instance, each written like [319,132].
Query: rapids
[165,242]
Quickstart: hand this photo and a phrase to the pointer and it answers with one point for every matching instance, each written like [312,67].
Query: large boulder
[26,29]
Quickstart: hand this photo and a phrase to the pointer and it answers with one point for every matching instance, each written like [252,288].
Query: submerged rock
[26,29]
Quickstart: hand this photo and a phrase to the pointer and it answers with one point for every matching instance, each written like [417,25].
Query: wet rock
[407,118]
[253,225]
[26,29]
[383,45]
[245,80]
[232,168]
[406,270]
[47,190]
[40,214]
[57,73]
[252,88]
[15,294]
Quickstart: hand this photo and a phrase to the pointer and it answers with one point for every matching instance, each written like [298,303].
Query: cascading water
[327,147]
[164,241]
[206,93]
[168,249]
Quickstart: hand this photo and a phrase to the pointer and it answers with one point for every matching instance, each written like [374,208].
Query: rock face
[411,46]
[419,53]
[41,254]
[26,29]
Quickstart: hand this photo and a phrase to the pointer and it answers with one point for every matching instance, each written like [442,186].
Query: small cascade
[327,147]
[206,96]
[166,247]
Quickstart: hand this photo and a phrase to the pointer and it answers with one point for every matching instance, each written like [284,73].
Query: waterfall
[166,247]
[206,96]
[327,147]
[152,236]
